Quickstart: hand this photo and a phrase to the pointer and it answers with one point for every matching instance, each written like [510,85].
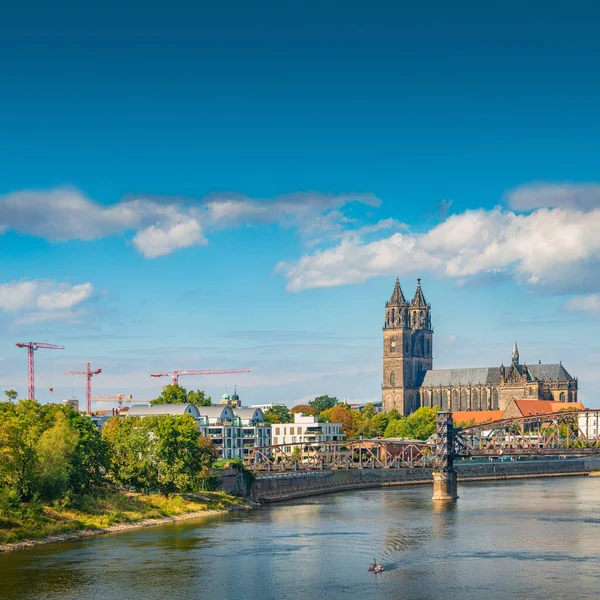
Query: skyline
[236,188]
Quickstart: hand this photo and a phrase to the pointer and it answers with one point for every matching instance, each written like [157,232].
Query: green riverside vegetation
[59,474]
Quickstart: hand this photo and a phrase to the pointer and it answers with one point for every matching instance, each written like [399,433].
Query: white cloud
[43,296]
[543,195]
[588,304]
[162,225]
[549,248]
[156,241]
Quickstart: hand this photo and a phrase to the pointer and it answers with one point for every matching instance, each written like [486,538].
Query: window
[393,379]
[475,400]
[291,431]
[445,400]
[393,345]
[562,396]
[455,400]
[484,402]
[277,432]
[426,398]
[464,402]
[436,398]
[275,442]
[495,399]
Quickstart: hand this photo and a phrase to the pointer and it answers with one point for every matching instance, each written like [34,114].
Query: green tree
[278,414]
[172,394]
[420,425]
[199,398]
[54,449]
[164,453]
[321,403]
[11,395]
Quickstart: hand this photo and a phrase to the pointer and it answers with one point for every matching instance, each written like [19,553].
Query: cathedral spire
[515,355]
[397,296]
[419,299]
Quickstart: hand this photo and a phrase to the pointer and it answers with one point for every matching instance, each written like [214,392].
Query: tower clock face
[393,344]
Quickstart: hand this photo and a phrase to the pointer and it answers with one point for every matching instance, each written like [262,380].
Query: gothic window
[445,400]
[393,345]
[393,379]
[393,315]
[562,396]
[475,400]
[495,399]
[436,398]
[418,399]
[464,405]
[484,404]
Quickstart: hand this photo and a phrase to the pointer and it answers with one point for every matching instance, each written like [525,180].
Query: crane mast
[31,348]
[88,387]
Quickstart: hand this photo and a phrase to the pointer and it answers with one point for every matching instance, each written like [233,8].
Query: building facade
[305,428]
[410,381]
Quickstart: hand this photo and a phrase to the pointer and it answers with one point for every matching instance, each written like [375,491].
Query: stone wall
[286,486]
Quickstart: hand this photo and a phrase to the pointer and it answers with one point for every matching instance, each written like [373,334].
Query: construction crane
[120,398]
[31,348]
[88,388]
[177,374]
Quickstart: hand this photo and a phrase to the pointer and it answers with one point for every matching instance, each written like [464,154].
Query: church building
[410,381]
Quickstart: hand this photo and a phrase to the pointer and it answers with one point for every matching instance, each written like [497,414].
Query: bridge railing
[354,454]
[564,432]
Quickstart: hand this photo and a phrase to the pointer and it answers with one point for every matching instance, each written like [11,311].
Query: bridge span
[567,434]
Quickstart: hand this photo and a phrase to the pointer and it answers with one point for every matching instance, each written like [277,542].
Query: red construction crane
[88,388]
[176,374]
[31,348]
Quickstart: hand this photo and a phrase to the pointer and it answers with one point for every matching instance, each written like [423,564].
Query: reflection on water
[530,539]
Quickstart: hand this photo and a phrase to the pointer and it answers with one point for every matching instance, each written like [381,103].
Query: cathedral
[410,381]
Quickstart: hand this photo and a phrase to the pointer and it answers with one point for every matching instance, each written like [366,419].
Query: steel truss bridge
[561,433]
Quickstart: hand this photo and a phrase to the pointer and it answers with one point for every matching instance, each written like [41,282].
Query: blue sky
[238,186]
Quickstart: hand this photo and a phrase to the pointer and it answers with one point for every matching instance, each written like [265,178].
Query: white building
[588,424]
[232,430]
[305,428]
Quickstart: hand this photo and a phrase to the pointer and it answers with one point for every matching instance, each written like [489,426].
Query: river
[524,539]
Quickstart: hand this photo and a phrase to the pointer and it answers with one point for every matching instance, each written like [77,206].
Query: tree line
[51,452]
[360,423]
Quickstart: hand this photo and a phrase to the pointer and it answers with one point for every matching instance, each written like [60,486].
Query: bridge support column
[445,485]
[444,473]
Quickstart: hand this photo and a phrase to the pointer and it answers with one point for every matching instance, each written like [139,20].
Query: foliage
[199,398]
[305,409]
[177,394]
[163,453]
[48,450]
[172,394]
[420,425]
[321,403]
[341,414]
[278,414]
[11,395]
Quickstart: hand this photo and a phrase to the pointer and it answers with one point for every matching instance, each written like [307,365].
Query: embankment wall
[275,487]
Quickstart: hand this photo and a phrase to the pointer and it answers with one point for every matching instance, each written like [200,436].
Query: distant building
[305,428]
[265,407]
[410,381]
[588,424]
[233,400]
[233,431]
[378,406]
[71,402]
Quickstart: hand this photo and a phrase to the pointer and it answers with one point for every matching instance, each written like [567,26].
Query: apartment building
[305,428]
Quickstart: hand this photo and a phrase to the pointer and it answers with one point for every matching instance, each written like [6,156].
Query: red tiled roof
[477,416]
[543,407]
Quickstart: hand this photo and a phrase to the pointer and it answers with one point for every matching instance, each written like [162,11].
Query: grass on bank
[36,520]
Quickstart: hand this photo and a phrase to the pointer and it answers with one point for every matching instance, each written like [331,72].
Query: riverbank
[29,526]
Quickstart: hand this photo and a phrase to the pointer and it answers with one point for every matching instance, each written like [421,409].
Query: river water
[524,539]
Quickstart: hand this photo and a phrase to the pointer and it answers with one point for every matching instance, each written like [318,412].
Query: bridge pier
[444,473]
[445,485]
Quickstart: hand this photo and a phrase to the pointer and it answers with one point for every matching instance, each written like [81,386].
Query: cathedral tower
[407,350]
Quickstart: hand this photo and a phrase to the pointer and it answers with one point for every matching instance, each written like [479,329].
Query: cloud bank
[163,225]
[553,247]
